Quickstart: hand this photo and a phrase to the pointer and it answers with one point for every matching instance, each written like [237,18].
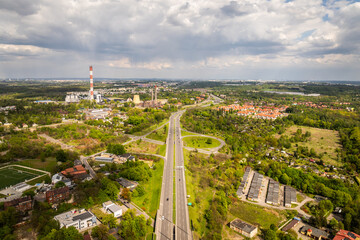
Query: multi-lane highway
[165,214]
[182,228]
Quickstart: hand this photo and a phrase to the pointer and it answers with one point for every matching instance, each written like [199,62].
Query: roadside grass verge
[160,134]
[151,199]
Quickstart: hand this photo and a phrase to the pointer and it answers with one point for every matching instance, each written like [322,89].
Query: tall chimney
[91,84]
[152,97]
[155,94]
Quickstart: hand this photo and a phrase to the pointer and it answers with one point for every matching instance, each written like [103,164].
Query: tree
[117,149]
[70,233]
[112,191]
[109,220]
[126,194]
[209,141]
[60,156]
[100,232]
[59,184]
[132,226]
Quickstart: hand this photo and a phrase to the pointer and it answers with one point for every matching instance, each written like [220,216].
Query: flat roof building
[244,181]
[243,228]
[273,193]
[126,183]
[289,196]
[113,208]
[80,219]
[255,186]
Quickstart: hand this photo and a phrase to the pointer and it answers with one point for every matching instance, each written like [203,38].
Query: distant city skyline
[269,40]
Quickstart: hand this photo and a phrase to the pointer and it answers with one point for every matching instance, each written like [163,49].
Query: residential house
[346,235]
[76,172]
[57,195]
[243,228]
[22,204]
[80,219]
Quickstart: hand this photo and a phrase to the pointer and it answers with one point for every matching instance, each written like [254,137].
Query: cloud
[176,35]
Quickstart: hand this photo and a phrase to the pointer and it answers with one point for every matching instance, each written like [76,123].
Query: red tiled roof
[343,234]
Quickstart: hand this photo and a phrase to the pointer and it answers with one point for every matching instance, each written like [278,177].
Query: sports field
[12,175]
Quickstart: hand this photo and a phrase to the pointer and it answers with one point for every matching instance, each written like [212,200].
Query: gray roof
[125,183]
[315,232]
[239,192]
[244,226]
[82,216]
[255,186]
[273,192]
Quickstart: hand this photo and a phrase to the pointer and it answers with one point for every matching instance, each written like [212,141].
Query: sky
[202,39]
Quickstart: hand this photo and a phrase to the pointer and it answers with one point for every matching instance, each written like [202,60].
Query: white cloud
[181,36]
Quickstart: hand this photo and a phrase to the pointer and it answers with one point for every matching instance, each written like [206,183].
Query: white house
[79,219]
[58,177]
[113,208]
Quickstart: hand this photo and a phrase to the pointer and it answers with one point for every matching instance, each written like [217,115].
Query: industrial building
[289,196]
[243,228]
[273,193]
[75,97]
[244,181]
[255,187]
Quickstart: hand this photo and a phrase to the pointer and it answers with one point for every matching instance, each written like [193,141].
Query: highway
[182,228]
[165,214]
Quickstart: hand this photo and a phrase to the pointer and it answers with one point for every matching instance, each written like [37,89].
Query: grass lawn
[161,150]
[199,198]
[160,134]
[255,214]
[49,164]
[141,146]
[151,199]
[186,133]
[201,142]
[12,175]
[38,180]
[322,140]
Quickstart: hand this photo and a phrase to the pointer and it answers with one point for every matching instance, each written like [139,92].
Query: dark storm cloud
[21,7]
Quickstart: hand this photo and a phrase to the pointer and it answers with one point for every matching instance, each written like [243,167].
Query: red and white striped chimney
[91,84]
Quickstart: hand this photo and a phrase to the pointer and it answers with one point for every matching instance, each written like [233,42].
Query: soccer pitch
[12,175]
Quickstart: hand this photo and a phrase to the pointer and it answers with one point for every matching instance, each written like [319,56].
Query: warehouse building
[243,228]
[273,193]
[244,181]
[255,187]
[289,196]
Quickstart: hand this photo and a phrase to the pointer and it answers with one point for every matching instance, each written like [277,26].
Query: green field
[151,199]
[49,164]
[254,214]
[142,146]
[201,142]
[12,175]
[322,140]
[160,134]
